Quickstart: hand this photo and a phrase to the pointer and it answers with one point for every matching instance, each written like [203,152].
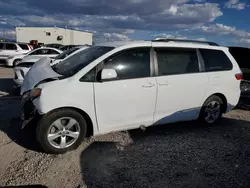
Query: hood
[40,71]
[31,58]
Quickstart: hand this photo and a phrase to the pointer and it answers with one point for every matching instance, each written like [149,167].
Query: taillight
[239,76]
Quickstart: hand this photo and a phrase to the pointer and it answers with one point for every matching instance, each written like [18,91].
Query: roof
[181,44]
[53,28]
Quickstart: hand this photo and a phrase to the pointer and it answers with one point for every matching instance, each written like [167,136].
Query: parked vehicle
[126,85]
[54,45]
[10,49]
[26,61]
[240,54]
[67,47]
[67,54]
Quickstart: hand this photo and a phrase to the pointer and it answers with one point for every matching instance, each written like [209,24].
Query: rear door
[221,73]
[181,85]
[8,49]
[128,101]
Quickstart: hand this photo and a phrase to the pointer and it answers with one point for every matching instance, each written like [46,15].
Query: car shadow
[7,88]
[10,124]
[185,154]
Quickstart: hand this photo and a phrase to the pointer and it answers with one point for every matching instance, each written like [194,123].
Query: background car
[35,54]
[54,45]
[24,65]
[240,54]
[67,54]
[9,49]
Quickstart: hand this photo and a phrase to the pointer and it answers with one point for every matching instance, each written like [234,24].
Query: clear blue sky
[226,22]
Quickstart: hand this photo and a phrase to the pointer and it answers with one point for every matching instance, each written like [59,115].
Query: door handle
[148,85]
[164,84]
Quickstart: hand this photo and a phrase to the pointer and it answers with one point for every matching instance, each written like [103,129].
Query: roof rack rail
[183,40]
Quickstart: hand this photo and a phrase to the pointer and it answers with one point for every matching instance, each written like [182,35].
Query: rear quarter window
[24,46]
[215,60]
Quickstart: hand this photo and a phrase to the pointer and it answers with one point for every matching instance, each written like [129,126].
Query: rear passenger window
[10,46]
[131,64]
[52,52]
[177,61]
[215,60]
[24,46]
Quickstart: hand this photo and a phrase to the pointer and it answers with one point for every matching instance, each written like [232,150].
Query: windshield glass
[66,53]
[76,62]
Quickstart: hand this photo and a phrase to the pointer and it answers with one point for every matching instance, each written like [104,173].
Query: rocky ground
[177,155]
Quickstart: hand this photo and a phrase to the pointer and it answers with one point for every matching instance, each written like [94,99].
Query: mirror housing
[108,74]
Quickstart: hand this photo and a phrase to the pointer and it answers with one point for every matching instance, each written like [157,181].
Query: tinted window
[131,64]
[215,60]
[24,46]
[40,52]
[177,61]
[1,46]
[10,46]
[52,52]
[78,61]
[66,53]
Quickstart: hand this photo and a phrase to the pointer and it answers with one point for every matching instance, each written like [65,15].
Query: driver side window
[130,64]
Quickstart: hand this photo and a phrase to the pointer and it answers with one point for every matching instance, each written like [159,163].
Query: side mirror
[108,74]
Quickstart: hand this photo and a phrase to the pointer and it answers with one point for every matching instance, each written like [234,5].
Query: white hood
[40,71]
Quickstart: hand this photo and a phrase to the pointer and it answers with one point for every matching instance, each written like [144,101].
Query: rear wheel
[61,131]
[211,110]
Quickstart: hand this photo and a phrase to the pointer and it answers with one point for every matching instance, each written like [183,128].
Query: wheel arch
[223,98]
[90,126]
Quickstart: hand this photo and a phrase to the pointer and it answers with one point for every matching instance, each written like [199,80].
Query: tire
[15,62]
[207,108]
[51,122]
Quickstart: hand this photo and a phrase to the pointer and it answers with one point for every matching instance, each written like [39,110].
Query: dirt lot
[177,155]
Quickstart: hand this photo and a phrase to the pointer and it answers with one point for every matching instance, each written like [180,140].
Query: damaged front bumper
[28,112]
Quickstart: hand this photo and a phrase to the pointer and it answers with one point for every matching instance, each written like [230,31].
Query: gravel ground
[176,155]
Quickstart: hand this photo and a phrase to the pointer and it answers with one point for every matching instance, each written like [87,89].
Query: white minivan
[126,85]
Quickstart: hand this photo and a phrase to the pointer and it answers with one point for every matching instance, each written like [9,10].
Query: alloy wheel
[63,132]
[212,111]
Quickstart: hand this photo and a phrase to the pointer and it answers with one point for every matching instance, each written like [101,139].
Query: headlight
[34,93]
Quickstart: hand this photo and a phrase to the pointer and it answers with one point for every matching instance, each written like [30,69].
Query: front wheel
[211,110]
[15,63]
[61,131]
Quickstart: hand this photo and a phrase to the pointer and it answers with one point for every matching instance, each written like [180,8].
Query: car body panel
[41,70]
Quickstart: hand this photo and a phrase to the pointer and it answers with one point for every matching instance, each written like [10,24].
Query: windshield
[76,62]
[66,53]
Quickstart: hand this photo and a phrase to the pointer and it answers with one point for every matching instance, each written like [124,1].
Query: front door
[181,85]
[128,101]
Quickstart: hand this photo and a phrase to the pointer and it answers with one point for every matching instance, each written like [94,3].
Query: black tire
[15,62]
[45,124]
[207,102]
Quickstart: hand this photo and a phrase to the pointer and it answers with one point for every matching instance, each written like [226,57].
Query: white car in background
[32,56]
[10,49]
[29,59]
